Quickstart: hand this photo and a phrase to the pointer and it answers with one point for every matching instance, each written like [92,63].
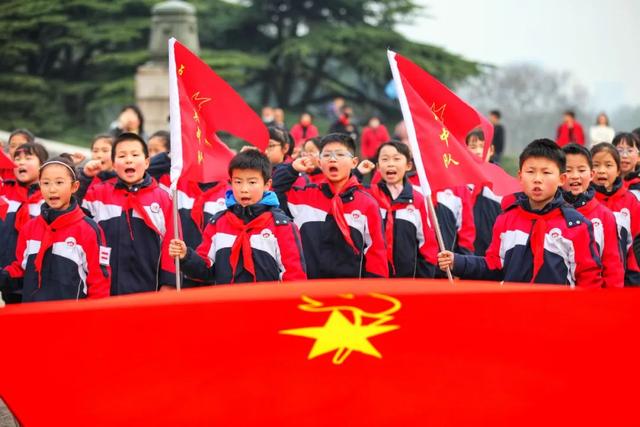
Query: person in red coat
[570,130]
[373,136]
[304,130]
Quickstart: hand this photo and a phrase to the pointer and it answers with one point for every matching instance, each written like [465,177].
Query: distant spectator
[131,120]
[278,119]
[570,130]
[344,123]
[373,135]
[333,109]
[17,138]
[304,129]
[498,135]
[602,131]
[267,115]
[400,132]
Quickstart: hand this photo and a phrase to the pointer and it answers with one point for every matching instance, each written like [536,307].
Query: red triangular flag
[5,162]
[201,104]
[437,123]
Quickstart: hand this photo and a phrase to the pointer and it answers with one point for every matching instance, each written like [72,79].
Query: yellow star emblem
[339,334]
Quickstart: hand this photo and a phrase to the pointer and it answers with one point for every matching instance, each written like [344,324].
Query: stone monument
[172,18]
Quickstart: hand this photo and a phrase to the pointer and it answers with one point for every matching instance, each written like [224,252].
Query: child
[628,145]
[252,240]
[411,244]
[61,253]
[135,215]
[160,164]
[577,192]
[339,222]
[539,238]
[100,167]
[22,194]
[311,150]
[280,147]
[17,138]
[611,192]
[486,204]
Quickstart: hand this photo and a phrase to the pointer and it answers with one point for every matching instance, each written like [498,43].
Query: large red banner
[371,352]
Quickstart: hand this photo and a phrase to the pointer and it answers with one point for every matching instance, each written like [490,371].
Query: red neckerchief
[537,236]
[243,243]
[22,214]
[132,202]
[337,210]
[385,203]
[344,120]
[59,223]
[197,211]
[4,208]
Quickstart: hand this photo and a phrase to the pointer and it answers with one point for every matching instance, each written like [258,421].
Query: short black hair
[165,136]
[578,150]
[478,133]
[570,113]
[340,138]
[400,146]
[628,137]
[636,132]
[607,148]
[496,113]
[33,148]
[24,132]
[102,136]
[138,112]
[315,141]
[129,136]
[282,137]
[547,149]
[66,160]
[254,160]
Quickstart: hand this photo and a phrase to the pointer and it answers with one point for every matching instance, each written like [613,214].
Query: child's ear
[267,185]
[355,161]
[146,163]
[593,173]
[75,185]
[409,166]
[563,178]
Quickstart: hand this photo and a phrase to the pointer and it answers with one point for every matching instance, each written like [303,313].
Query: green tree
[64,61]
[300,53]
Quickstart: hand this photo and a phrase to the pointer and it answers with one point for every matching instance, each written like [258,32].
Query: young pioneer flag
[437,123]
[202,104]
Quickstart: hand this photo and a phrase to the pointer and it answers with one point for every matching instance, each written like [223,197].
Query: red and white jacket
[605,233]
[626,209]
[61,255]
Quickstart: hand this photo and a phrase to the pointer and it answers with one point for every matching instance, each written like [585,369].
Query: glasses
[627,151]
[337,155]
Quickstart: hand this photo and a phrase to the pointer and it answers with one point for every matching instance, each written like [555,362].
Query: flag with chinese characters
[202,104]
[437,123]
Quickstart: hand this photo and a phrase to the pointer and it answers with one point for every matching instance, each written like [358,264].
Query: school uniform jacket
[159,169]
[198,203]
[632,182]
[486,208]
[21,204]
[605,233]
[61,255]
[326,249]
[271,251]
[414,250]
[626,209]
[87,182]
[135,221]
[314,177]
[554,245]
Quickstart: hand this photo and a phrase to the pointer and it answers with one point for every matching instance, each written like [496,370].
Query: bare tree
[530,98]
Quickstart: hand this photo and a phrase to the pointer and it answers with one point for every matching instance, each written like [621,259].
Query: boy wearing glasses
[339,222]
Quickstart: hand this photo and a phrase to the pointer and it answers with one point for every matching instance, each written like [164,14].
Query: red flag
[201,104]
[327,352]
[5,162]
[437,123]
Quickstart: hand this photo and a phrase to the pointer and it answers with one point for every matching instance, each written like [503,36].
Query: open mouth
[245,200]
[130,171]
[333,169]
[575,185]
[53,199]
[601,180]
[22,170]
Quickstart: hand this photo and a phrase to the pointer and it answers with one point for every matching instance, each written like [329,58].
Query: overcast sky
[598,41]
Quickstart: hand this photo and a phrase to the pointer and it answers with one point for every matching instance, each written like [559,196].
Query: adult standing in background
[602,131]
[373,136]
[304,129]
[344,124]
[130,120]
[570,130]
[498,135]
